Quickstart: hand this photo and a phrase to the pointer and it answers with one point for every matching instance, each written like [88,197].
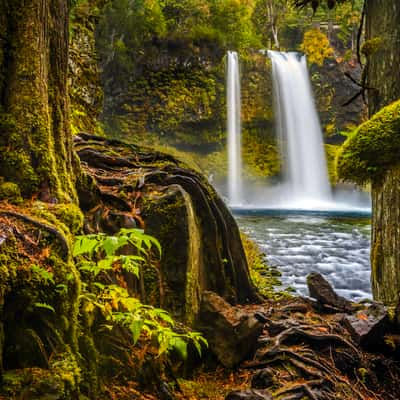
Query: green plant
[100,255]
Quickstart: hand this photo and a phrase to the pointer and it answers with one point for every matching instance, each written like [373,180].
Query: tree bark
[35,141]
[383,77]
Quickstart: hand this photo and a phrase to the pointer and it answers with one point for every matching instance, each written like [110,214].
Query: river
[338,248]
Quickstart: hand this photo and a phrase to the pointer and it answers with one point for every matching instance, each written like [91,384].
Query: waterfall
[298,127]
[234,130]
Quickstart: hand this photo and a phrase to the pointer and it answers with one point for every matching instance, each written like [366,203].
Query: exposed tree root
[56,233]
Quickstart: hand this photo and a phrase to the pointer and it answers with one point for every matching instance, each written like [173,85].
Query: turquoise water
[338,248]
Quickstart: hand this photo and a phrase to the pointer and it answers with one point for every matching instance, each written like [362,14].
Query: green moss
[70,215]
[331,152]
[10,192]
[59,382]
[371,46]
[264,277]
[372,148]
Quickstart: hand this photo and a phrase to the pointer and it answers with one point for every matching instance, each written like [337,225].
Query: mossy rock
[199,237]
[59,382]
[10,192]
[372,148]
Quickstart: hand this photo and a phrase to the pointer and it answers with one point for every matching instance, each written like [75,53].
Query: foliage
[316,46]
[101,256]
[372,148]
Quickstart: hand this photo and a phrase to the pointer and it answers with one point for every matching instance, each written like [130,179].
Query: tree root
[295,333]
[302,388]
[58,235]
[99,160]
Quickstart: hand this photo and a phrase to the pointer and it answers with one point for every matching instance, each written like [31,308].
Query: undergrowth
[102,261]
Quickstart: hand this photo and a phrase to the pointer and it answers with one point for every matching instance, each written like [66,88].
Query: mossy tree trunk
[383,77]
[35,142]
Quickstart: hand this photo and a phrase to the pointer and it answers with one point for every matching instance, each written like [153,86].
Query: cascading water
[234,130]
[306,175]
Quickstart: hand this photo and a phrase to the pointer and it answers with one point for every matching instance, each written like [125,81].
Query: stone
[231,333]
[367,327]
[200,240]
[249,394]
[321,290]
[262,379]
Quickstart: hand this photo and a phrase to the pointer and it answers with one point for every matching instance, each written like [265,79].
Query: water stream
[338,248]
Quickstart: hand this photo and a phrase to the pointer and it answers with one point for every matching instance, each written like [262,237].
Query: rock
[200,240]
[231,334]
[321,290]
[368,327]
[262,379]
[249,395]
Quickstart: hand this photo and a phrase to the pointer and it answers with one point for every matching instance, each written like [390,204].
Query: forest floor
[303,353]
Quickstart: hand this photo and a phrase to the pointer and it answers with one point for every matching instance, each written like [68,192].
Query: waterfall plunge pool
[337,245]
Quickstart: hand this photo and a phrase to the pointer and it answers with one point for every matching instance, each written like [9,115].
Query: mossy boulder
[201,243]
[372,148]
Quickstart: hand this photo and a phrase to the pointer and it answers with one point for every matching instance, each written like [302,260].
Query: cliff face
[180,100]
[85,92]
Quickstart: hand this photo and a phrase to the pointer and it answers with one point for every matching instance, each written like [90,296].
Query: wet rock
[262,379]
[321,290]
[249,395]
[368,327]
[231,334]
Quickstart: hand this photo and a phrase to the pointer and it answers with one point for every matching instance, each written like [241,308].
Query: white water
[305,170]
[234,130]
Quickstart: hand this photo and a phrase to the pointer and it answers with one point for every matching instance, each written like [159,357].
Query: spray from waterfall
[234,129]
[298,127]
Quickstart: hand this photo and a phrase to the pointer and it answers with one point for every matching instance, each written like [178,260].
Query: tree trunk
[35,142]
[383,77]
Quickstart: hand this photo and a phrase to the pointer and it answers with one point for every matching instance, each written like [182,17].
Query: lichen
[372,148]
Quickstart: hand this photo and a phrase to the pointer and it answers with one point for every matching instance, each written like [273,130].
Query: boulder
[367,327]
[231,333]
[249,395]
[321,290]
[127,185]
[262,379]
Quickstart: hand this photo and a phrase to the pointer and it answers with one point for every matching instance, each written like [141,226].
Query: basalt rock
[201,244]
[368,327]
[231,333]
[263,379]
[322,291]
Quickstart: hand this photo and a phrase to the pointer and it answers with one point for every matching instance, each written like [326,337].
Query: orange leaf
[46,252]
[362,316]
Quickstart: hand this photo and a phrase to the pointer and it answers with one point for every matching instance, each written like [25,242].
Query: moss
[372,148]
[371,46]
[10,192]
[59,382]
[70,215]
[34,140]
[331,152]
[264,277]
